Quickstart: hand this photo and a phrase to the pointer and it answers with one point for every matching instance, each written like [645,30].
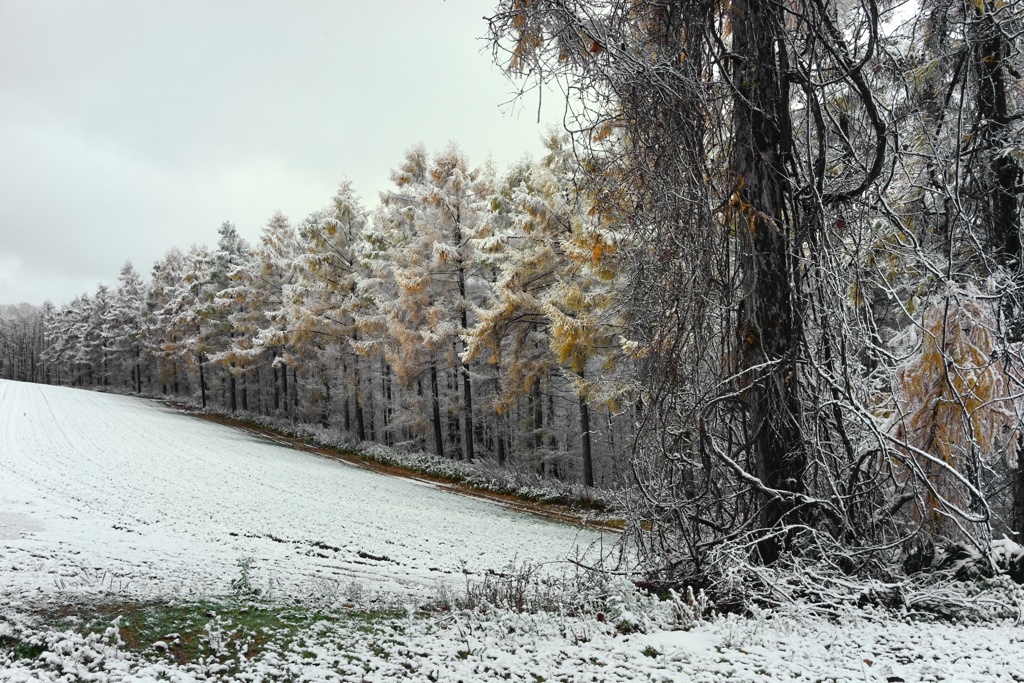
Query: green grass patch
[19,649]
[198,632]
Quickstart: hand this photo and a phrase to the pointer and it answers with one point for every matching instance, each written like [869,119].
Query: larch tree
[434,216]
[260,321]
[404,327]
[22,341]
[190,317]
[232,254]
[95,335]
[159,327]
[326,299]
[555,302]
[125,322]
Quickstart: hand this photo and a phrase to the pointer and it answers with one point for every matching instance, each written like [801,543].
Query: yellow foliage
[528,38]
[603,132]
[955,399]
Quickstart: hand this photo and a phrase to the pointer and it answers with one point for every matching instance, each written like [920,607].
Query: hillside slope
[115,493]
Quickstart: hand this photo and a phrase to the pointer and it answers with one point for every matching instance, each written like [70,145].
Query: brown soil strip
[561,513]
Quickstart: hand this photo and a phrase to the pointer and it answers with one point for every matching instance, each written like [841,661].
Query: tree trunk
[435,406]
[588,461]
[255,397]
[769,331]
[370,421]
[553,441]
[467,412]
[1017,519]
[325,409]
[385,390]
[1001,210]
[284,386]
[499,419]
[345,399]
[454,431]
[202,379]
[1003,173]
[360,425]
[277,388]
[295,392]
[467,389]
[501,443]
[537,402]
[138,374]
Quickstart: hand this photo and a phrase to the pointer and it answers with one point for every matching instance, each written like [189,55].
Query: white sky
[128,127]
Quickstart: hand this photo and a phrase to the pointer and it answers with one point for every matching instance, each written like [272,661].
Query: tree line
[463,316]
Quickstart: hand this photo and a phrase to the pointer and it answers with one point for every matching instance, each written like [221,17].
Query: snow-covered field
[121,499]
[109,492]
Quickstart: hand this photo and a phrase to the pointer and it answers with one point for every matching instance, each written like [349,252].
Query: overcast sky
[130,127]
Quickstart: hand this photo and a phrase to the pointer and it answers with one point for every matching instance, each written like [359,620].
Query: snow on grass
[228,643]
[113,493]
[122,520]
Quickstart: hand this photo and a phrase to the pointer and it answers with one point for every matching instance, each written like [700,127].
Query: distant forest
[768,286]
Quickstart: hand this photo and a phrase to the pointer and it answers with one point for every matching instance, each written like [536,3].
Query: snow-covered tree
[171,319]
[325,301]
[555,302]
[260,323]
[22,341]
[124,321]
[232,254]
[428,227]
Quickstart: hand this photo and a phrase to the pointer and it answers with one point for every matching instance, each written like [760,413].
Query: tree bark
[277,388]
[588,461]
[435,406]
[454,430]
[295,392]
[345,399]
[385,390]
[326,405]
[1001,180]
[537,403]
[1003,173]
[360,425]
[284,386]
[467,389]
[769,329]
[202,380]
[138,375]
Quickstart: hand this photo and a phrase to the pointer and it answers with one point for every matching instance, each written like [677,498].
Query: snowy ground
[108,492]
[109,498]
[504,646]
